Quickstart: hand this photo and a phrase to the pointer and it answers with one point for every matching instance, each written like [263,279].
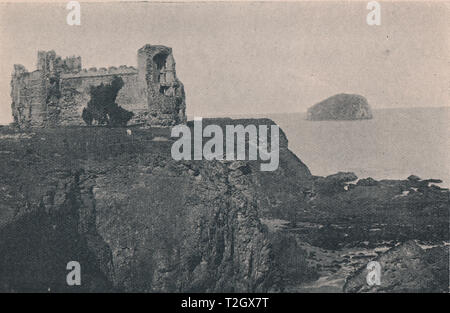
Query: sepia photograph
[224,147]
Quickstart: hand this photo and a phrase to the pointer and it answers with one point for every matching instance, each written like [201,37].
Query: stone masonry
[57,91]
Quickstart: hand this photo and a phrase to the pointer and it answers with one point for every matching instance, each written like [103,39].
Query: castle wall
[58,91]
[164,92]
[75,93]
[28,95]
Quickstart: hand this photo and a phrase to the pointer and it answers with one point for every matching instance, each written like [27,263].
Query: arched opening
[159,74]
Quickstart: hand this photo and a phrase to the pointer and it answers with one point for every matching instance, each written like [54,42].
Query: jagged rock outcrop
[406,268]
[369,212]
[340,107]
[334,183]
[134,218]
[278,193]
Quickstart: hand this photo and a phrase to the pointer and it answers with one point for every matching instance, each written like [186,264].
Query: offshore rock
[340,107]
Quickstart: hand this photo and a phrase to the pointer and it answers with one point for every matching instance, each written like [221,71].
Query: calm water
[394,144]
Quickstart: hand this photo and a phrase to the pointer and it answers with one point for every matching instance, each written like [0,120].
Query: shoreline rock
[406,268]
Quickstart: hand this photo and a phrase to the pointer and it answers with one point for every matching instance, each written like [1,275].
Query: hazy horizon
[250,58]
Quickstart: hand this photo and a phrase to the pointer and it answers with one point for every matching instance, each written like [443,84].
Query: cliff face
[134,218]
[340,107]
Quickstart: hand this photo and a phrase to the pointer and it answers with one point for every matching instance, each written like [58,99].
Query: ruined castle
[58,90]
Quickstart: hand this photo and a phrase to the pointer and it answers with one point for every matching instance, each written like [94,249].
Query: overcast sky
[250,57]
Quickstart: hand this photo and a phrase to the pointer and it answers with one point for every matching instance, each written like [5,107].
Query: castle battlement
[103,71]
[56,93]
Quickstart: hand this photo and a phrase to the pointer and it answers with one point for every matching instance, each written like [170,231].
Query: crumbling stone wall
[164,92]
[58,90]
[75,93]
[28,97]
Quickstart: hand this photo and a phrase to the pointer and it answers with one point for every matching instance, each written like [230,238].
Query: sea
[395,144]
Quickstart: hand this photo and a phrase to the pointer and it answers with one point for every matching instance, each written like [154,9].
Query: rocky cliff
[340,107]
[135,219]
[138,221]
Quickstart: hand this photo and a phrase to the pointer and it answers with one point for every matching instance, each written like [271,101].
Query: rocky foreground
[137,220]
[406,268]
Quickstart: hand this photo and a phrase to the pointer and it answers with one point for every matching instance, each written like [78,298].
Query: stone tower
[163,91]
